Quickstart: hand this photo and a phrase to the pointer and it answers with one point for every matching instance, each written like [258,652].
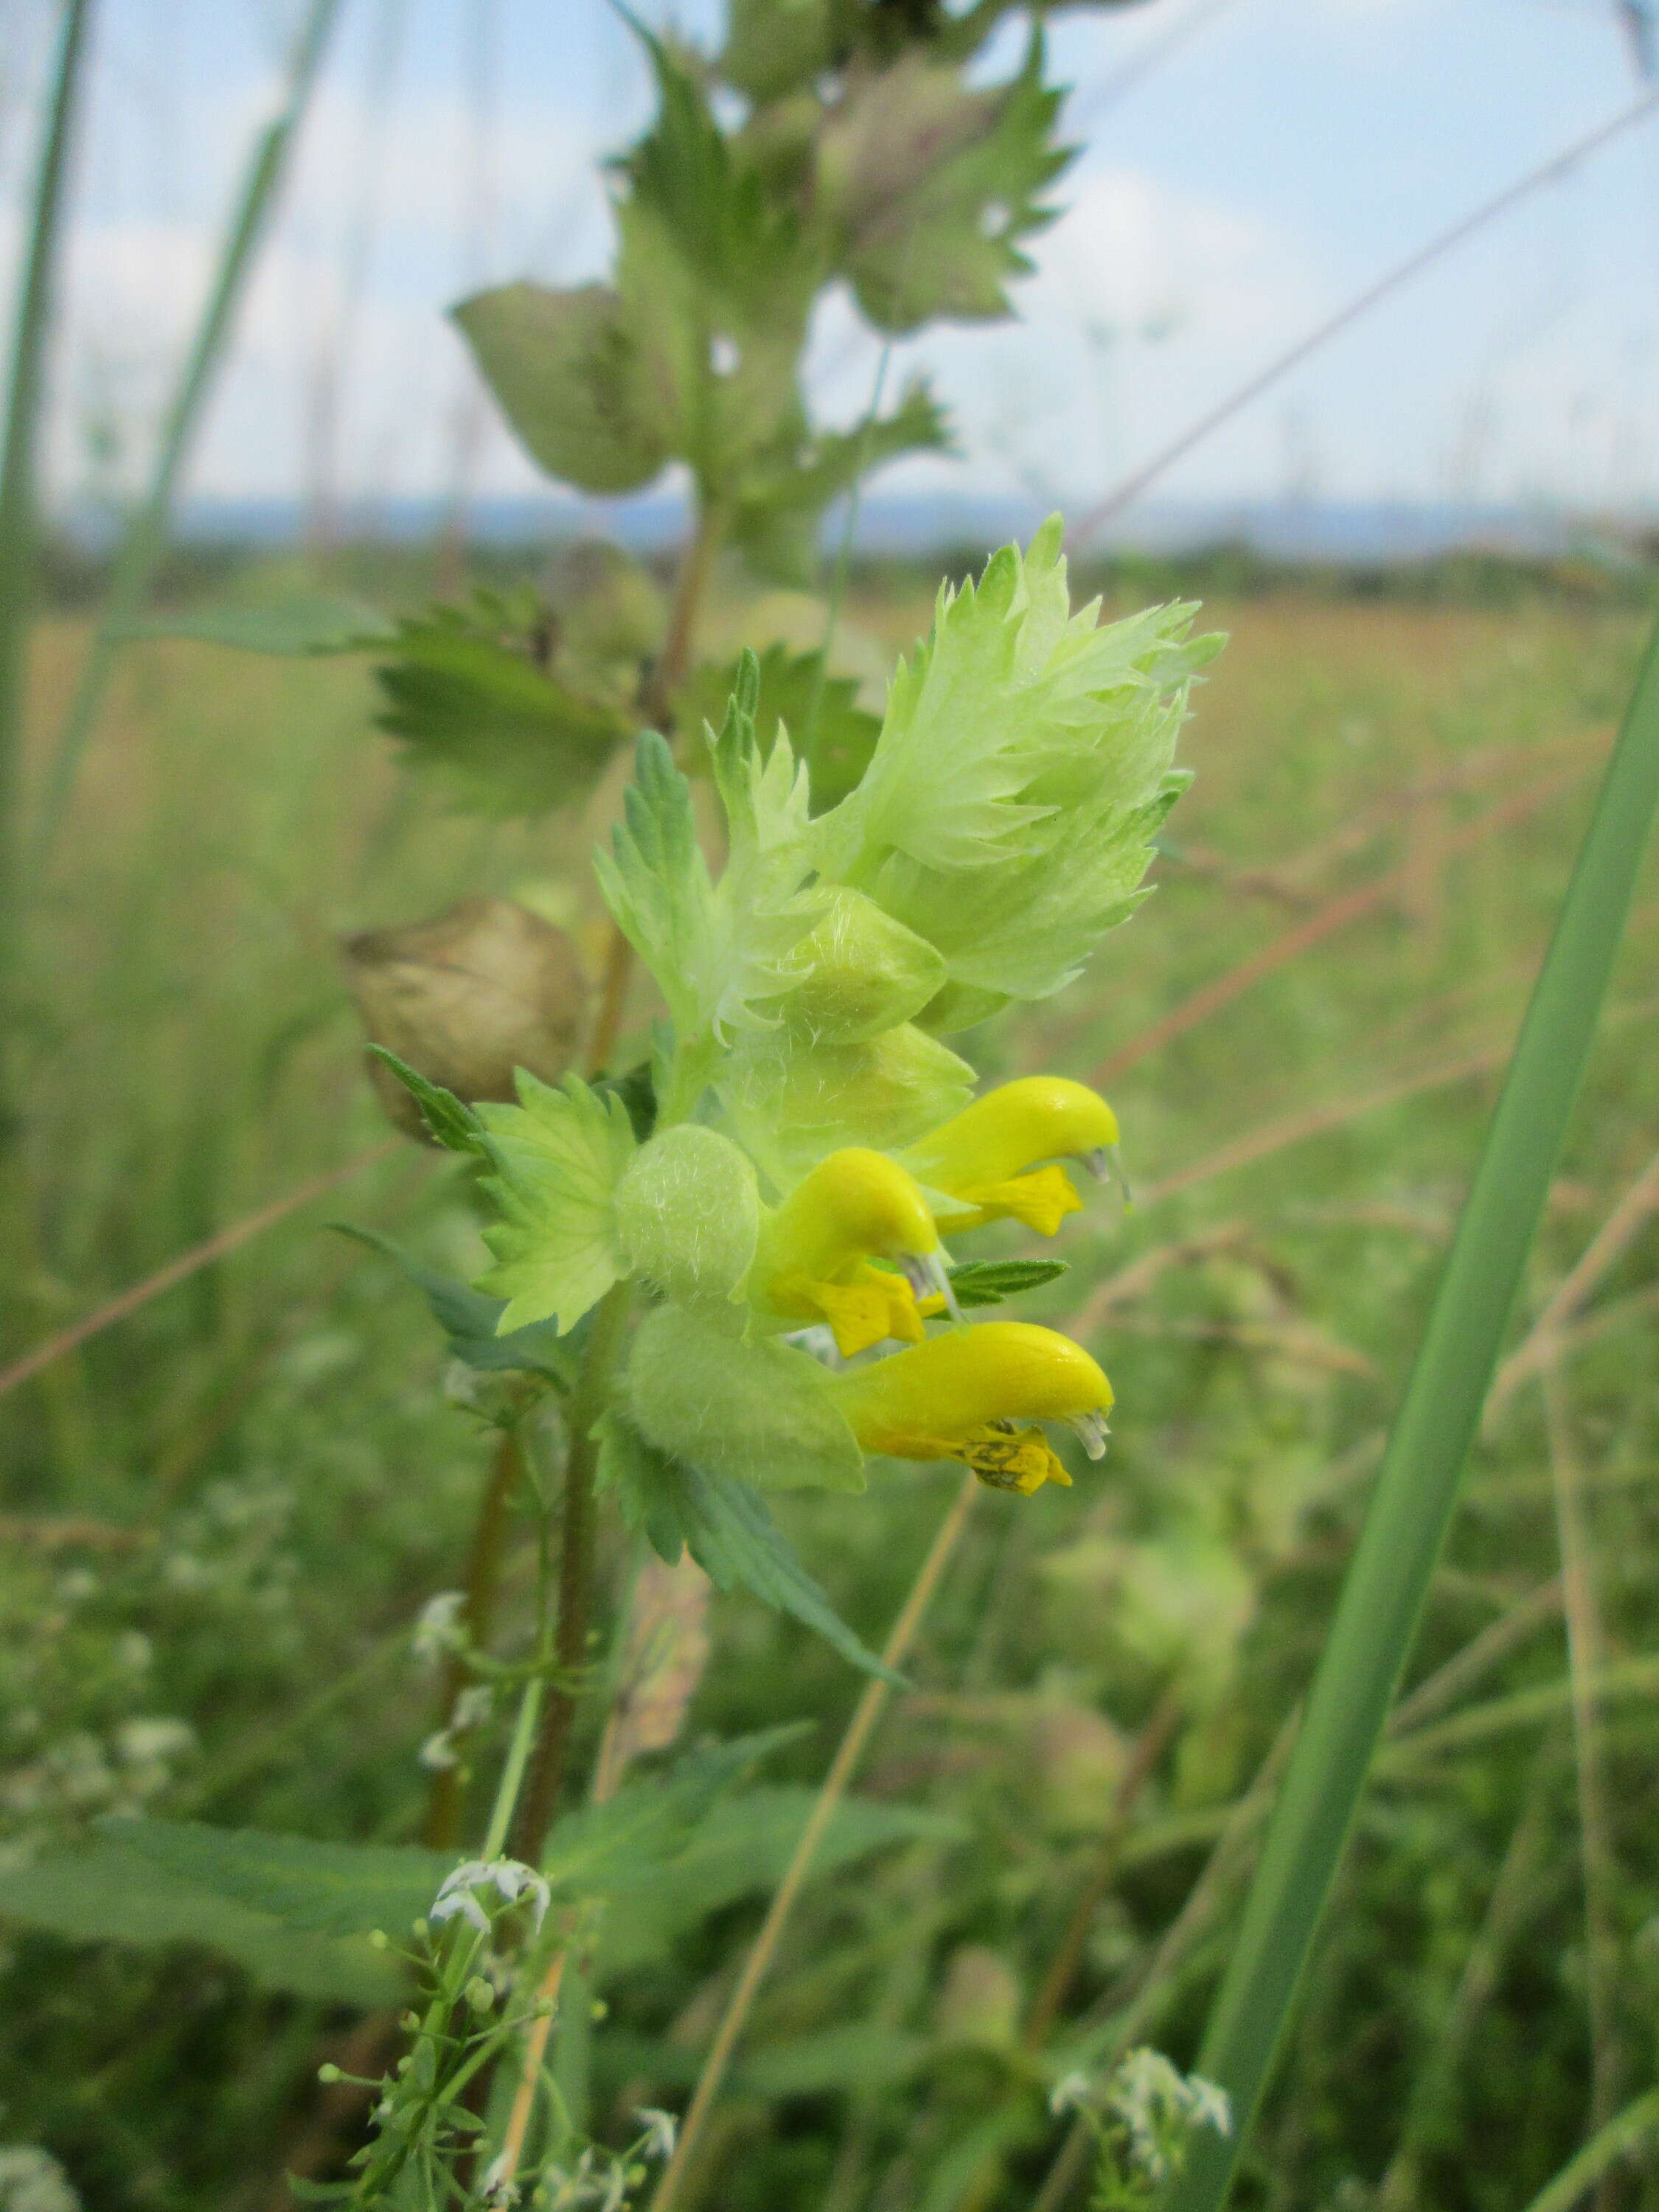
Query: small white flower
[500,2191]
[31,2180]
[438,1753]
[1208,2105]
[1070,2093]
[509,1878]
[660,2132]
[471,1708]
[438,1630]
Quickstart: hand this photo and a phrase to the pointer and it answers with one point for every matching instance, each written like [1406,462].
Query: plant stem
[697,566]
[18,520]
[146,537]
[541,1791]
[483,1574]
[1384,1591]
[868,1710]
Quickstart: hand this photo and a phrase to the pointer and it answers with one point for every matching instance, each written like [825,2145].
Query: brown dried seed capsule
[466,996]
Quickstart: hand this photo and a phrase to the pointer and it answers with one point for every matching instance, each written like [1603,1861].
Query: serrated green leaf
[471,1321]
[336,1889]
[726,1527]
[568,372]
[988,1282]
[657,885]
[468,703]
[558,1156]
[448,1122]
[302,626]
[107,1893]
[932,183]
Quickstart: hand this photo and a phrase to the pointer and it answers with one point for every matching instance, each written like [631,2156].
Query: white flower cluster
[510,1879]
[1155,2104]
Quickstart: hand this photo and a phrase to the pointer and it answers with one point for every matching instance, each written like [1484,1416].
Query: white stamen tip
[1091,1430]
[1098,1163]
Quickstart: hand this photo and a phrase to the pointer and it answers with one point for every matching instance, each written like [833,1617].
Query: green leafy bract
[758,1412]
[726,1527]
[557,1158]
[1022,768]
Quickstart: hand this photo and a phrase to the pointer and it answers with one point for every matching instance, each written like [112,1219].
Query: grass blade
[1395,1560]
[1580,2173]
[146,537]
[17,458]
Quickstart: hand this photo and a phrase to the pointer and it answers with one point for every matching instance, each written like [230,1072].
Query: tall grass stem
[19,494]
[1394,1563]
[146,537]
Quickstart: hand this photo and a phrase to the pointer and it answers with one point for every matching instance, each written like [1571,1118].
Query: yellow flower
[984,1160]
[960,1396]
[814,1262]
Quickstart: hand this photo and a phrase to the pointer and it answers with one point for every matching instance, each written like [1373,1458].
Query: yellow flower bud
[814,1260]
[985,1159]
[959,1396]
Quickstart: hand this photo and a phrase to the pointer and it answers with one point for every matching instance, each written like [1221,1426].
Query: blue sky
[1274,157]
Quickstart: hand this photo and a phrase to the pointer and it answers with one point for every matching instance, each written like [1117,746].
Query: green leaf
[726,1527]
[448,1122]
[988,1282]
[1411,1507]
[743,1846]
[109,1893]
[932,183]
[305,626]
[335,1889]
[632,1840]
[466,697]
[471,1321]
[836,736]
[568,372]
[558,1156]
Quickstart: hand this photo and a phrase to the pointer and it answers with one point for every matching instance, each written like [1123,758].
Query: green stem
[18,518]
[518,1758]
[1394,1563]
[587,1403]
[483,1574]
[145,538]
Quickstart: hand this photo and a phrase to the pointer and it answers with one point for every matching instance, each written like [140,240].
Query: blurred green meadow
[227,1510]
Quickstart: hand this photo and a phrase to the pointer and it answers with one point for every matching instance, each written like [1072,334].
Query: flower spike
[984,1162]
[961,1397]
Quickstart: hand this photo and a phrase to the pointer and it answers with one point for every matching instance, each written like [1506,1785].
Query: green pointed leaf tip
[758,1412]
[571,375]
[656,882]
[557,1158]
[726,1527]
[989,1282]
[687,1214]
[471,1322]
[449,1122]
[1024,766]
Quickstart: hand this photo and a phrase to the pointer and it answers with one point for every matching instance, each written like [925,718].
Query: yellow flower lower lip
[985,1162]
